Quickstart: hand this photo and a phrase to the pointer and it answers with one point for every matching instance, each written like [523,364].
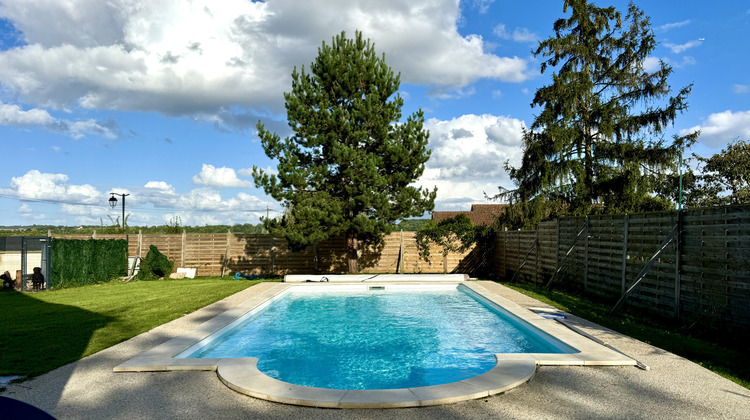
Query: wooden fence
[214,254]
[702,273]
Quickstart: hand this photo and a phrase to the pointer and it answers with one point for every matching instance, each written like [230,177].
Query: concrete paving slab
[374,398]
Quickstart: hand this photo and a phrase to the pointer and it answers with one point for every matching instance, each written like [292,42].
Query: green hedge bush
[80,262]
[155,265]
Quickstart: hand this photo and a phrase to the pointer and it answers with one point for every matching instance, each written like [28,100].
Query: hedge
[81,262]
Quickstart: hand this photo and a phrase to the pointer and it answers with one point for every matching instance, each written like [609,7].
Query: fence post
[505,254]
[140,244]
[182,247]
[557,245]
[24,263]
[315,249]
[677,261]
[273,253]
[226,256]
[536,271]
[626,230]
[400,269]
[586,259]
[445,262]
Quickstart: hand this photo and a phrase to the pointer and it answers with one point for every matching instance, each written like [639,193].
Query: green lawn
[726,357]
[43,331]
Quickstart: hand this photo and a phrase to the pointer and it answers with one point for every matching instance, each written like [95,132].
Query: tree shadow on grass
[37,336]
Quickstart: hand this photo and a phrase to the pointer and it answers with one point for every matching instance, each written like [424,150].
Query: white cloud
[13,115]
[85,204]
[524,35]
[25,209]
[679,48]
[468,156]
[651,64]
[482,5]
[673,25]
[501,31]
[686,61]
[722,127]
[220,177]
[740,88]
[35,185]
[91,214]
[205,57]
[78,129]
[159,185]
[519,34]
[249,171]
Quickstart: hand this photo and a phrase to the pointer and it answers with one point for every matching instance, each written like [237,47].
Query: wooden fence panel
[708,281]
[249,254]
[286,261]
[204,252]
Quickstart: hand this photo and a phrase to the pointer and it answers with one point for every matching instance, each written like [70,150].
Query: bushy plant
[155,265]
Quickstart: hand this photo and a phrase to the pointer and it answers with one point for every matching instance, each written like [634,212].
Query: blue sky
[159,100]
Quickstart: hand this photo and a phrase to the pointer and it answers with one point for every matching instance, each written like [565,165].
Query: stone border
[376,278]
[242,374]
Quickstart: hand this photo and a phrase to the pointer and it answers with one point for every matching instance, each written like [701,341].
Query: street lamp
[113,203]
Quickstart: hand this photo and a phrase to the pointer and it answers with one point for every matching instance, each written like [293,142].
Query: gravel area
[673,388]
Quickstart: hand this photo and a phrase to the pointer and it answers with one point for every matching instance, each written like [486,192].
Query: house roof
[480,214]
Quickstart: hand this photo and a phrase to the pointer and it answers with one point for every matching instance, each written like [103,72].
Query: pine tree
[346,169]
[597,144]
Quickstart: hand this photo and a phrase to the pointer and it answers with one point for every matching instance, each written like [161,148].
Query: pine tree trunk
[588,177]
[351,252]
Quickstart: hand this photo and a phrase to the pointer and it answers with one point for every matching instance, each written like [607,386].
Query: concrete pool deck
[673,388]
[243,375]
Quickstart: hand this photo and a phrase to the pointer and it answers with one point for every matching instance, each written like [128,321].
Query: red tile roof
[480,214]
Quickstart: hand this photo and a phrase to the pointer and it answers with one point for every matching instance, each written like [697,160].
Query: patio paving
[673,388]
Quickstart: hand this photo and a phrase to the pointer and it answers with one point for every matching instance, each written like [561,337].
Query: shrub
[155,265]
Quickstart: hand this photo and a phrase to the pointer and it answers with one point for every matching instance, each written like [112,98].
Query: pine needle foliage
[597,145]
[347,168]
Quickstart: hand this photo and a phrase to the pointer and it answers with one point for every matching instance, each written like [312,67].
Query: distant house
[480,214]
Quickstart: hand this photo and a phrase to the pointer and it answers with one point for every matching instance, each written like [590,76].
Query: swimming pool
[376,337]
[243,373]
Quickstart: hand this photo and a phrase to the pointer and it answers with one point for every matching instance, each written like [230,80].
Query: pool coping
[242,374]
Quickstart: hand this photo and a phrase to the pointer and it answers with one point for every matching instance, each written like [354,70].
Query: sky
[160,100]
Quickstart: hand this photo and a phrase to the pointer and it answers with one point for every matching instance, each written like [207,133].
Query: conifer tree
[597,145]
[347,168]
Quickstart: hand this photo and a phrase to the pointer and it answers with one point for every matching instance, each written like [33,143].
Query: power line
[140,209]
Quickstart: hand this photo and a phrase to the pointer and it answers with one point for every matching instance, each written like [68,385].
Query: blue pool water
[375,339]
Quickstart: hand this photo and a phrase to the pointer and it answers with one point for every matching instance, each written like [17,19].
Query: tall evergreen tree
[597,143]
[346,169]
